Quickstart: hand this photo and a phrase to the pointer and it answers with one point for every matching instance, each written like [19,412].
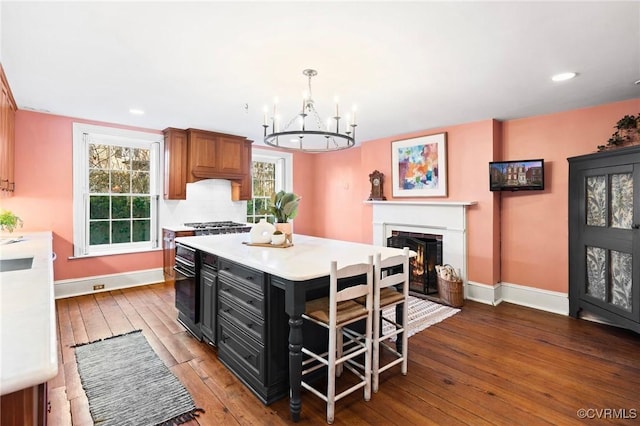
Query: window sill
[114,253]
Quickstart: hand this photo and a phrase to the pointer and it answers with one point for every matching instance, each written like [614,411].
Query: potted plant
[627,133]
[627,122]
[278,238]
[284,207]
[9,221]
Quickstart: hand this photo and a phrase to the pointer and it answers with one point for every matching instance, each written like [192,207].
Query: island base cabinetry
[253,330]
[209,301]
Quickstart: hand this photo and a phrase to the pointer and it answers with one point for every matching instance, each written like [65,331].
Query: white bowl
[277,239]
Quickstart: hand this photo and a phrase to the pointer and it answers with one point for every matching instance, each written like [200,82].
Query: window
[116,190]
[272,172]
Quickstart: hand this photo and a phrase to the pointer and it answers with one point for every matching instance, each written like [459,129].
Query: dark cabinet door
[604,237]
[209,308]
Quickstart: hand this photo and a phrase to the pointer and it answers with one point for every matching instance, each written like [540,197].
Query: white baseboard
[544,300]
[85,285]
[482,293]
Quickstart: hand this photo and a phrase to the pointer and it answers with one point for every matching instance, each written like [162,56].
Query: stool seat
[390,296]
[347,311]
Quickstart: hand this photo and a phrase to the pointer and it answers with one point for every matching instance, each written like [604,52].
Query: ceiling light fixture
[323,138]
[564,76]
[135,111]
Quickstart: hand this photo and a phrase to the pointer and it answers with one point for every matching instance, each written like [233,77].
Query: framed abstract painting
[419,166]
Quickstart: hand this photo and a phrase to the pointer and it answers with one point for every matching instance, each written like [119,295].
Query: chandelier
[321,138]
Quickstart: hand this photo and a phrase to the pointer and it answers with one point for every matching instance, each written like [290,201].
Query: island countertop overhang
[307,259]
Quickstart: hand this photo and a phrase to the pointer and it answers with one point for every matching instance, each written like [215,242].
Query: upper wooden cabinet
[7,137]
[175,164]
[192,155]
[214,155]
[242,189]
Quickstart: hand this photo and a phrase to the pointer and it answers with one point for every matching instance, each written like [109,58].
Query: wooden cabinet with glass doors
[604,236]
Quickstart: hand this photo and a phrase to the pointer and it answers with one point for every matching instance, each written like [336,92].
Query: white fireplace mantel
[446,218]
[423,203]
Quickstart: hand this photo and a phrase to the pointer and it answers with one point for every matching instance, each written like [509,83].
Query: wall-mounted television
[516,175]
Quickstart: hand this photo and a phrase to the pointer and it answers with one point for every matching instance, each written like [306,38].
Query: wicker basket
[451,292]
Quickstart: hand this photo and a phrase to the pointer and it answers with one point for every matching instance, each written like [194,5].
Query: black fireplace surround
[423,277]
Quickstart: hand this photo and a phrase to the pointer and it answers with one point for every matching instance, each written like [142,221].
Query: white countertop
[309,257]
[28,340]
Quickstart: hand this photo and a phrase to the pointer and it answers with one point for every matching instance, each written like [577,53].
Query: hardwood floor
[501,365]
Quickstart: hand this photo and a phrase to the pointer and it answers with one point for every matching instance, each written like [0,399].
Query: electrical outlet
[98,287]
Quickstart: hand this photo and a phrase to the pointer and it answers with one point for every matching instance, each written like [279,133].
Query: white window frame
[82,135]
[284,167]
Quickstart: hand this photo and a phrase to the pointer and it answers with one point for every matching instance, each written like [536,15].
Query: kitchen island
[289,277]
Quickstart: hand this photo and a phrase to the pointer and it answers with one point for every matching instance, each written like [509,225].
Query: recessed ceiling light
[564,76]
[136,111]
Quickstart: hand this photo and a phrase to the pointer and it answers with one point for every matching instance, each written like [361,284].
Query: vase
[286,229]
[261,232]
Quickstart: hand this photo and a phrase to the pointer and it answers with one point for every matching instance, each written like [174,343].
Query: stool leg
[377,318]
[339,347]
[331,376]
[367,360]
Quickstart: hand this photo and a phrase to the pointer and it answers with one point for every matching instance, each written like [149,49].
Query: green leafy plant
[627,133]
[284,206]
[628,122]
[9,221]
[277,232]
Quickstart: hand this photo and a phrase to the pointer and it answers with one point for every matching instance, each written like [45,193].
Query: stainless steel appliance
[187,289]
[213,228]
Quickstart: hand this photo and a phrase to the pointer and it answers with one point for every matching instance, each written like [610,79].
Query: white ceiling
[406,65]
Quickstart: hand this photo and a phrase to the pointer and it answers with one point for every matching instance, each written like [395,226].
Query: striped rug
[127,384]
[422,314]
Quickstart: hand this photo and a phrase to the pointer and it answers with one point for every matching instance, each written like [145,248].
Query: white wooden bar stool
[334,313]
[390,289]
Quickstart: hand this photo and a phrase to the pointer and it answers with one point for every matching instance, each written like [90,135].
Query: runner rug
[127,384]
[422,314]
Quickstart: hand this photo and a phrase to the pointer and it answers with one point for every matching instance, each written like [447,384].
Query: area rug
[422,314]
[127,384]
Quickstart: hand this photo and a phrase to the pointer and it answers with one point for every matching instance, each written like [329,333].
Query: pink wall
[518,238]
[44,194]
[304,185]
[469,149]
[534,225]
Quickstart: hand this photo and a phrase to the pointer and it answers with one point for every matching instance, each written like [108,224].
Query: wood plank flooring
[487,365]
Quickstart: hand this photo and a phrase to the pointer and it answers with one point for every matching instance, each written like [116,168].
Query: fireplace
[446,220]
[428,247]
